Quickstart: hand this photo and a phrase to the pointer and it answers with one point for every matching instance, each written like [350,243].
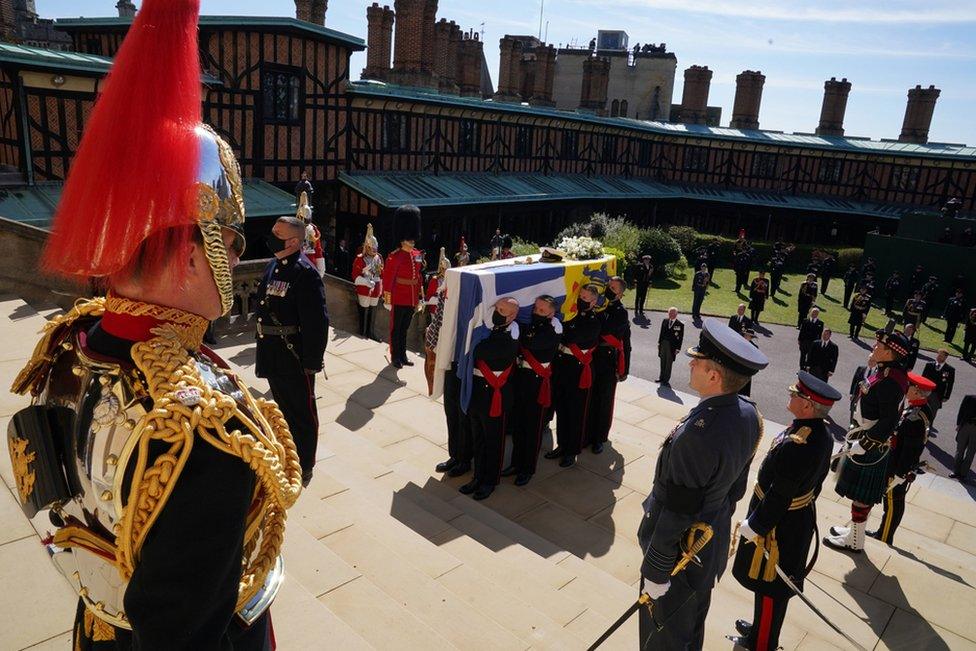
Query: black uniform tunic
[498,352]
[907,446]
[615,326]
[292,296]
[540,341]
[572,401]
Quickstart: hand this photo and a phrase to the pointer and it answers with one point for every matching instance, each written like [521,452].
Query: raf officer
[699,287]
[782,518]
[701,473]
[292,330]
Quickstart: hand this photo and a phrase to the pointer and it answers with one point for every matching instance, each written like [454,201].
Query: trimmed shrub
[662,248]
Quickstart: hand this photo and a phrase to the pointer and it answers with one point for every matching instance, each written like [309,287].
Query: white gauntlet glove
[656,590]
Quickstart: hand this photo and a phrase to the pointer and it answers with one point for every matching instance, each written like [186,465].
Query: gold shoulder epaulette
[800,435]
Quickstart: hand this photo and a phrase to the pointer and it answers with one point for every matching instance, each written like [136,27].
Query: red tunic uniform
[369,285]
[403,277]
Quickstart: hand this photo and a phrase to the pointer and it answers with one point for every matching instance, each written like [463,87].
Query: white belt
[525,364]
[565,349]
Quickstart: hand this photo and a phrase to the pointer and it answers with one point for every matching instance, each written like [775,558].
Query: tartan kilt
[866,480]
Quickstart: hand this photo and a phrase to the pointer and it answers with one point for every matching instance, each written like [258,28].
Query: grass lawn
[721,301]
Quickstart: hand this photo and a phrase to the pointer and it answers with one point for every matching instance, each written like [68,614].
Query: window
[281,90]
[614,108]
[570,149]
[623,108]
[904,178]
[696,159]
[764,165]
[523,141]
[644,153]
[468,142]
[609,149]
[830,170]
[396,132]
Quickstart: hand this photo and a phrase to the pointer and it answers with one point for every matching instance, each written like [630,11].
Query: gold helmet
[370,240]
[443,264]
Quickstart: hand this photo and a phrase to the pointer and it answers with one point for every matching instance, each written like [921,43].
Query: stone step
[303,622]
[429,601]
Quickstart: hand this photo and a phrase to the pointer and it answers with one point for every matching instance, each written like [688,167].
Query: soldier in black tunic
[891,287]
[810,331]
[969,336]
[642,280]
[912,312]
[907,446]
[782,516]
[758,293]
[850,282]
[701,474]
[292,331]
[806,295]
[492,397]
[573,377]
[538,344]
[611,364]
[860,306]
[955,311]
[929,290]
[913,345]
[699,287]
[776,268]
[826,272]
[862,471]
[741,264]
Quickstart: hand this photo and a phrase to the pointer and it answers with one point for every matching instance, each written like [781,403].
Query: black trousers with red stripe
[572,404]
[894,509]
[295,395]
[604,393]
[529,422]
[487,433]
[458,424]
[767,622]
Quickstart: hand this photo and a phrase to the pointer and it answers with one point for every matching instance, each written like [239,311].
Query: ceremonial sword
[691,554]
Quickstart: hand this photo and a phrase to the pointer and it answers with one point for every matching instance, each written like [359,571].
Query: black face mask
[582,306]
[538,319]
[275,243]
[497,319]
[610,294]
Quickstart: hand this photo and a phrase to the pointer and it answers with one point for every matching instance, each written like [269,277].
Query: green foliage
[662,248]
[623,236]
[621,259]
[848,258]
[685,236]
[523,248]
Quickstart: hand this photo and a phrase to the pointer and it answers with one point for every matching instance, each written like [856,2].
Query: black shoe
[508,471]
[406,362]
[567,462]
[306,479]
[554,454]
[396,364]
[954,475]
[743,627]
[461,468]
[445,466]
[740,641]
[484,492]
[522,480]
[873,534]
[597,448]
[468,488]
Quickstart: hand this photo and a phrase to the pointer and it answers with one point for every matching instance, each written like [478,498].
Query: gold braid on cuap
[262,441]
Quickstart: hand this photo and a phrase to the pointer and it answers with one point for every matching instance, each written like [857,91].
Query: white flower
[581,248]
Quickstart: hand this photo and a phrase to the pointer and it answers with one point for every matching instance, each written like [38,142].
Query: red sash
[545,389]
[586,375]
[617,344]
[496,382]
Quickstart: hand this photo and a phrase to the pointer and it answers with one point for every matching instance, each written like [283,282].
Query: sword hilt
[699,534]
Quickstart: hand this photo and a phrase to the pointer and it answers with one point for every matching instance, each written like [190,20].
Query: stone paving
[383,553]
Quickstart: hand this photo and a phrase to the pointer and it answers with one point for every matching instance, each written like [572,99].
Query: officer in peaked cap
[781,520]
[701,473]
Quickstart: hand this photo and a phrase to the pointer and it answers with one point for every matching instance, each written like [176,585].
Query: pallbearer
[492,397]
[538,344]
[574,377]
[611,364]
[782,513]
[907,446]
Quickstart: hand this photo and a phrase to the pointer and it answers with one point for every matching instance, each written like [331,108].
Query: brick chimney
[469,65]
[410,68]
[509,68]
[126,8]
[311,11]
[545,71]
[694,97]
[918,114]
[748,97]
[834,107]
[8,21]
[427,41]
[596,78]
[379,41]
[447,36]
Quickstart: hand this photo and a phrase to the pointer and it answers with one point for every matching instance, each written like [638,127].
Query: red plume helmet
[132,179]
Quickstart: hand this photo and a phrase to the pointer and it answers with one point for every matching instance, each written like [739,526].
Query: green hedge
[663,249]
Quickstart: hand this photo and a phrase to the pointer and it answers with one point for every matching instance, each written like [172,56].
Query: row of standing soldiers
[523,374]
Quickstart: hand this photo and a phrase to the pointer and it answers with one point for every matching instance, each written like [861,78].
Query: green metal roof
[832,143]
[392,189]
[35,204]
[43,58]
[276,22]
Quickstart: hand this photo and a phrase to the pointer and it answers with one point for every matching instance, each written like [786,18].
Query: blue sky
[884,47]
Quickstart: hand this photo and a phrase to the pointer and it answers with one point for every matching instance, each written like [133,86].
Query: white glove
[896,480]
[855,449]
[746,531]
[656,590]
